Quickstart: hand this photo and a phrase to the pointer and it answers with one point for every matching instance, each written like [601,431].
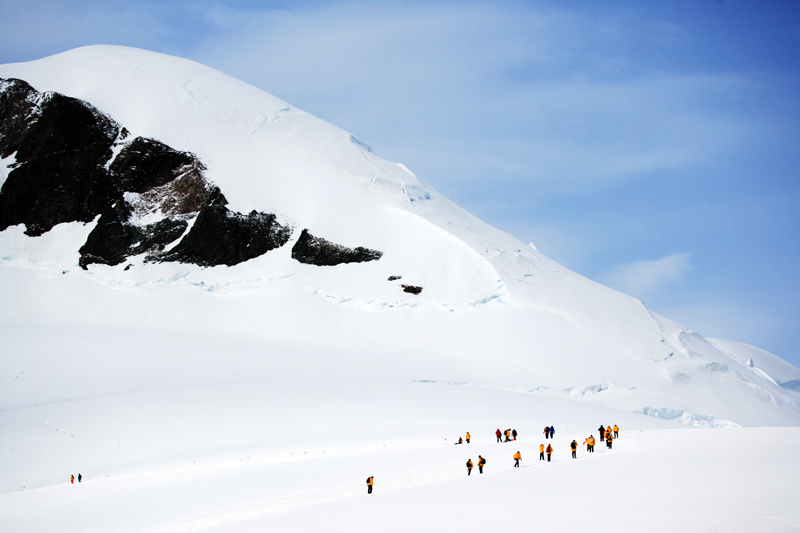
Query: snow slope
[241,398]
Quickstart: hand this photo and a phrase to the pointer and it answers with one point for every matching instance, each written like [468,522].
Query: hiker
[602,431]
[541,452]
[369,485]
[574,447]
[467,437]
[79,477]
[608,433]
[547,432]
[609,440]
[469,466]
[460,441]
[616,431]
[514,434]
[498,435]
[589,442]
[71,479]
[481,462]
[552,432]
[517,458]
[549,452]
[508,435]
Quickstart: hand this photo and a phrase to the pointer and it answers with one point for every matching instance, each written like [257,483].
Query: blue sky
[651,146]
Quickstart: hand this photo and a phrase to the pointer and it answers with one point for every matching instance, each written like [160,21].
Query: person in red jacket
[549,451]
[499,435]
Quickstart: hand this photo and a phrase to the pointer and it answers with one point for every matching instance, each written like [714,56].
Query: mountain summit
[144,191]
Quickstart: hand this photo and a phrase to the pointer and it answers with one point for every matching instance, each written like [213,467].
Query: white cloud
[644,278]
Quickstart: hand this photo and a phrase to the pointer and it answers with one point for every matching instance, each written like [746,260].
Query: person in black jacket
[602,431]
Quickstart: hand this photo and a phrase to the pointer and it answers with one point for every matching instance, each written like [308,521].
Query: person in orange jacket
[609,440]
[369,484]
[574,447]
[517,459]
[616,431]
[467,437]
[541,452]
[499,435]
[71,479]
[589,442]
[549,451]
[481,462]
[469,466]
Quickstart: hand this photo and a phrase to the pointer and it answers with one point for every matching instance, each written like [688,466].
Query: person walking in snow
[574,447]
[469,466]
[369,484]
[517,458]
[514,434]
[552,432]
[549,451]
[589,442]
[508,435]
[498,435]
[609,440]
[481,462]
[616,431]
[608,433]
[602,431]
[80,477]
[541,452]
[547,432]
[72,479]
[467,437]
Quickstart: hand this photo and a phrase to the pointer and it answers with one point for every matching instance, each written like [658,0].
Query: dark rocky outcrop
[65,171]
[62,145]
[317,251]
[222,237]
[412,289]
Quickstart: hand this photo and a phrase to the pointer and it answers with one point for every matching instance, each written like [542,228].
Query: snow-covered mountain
[226,314]
[226,194]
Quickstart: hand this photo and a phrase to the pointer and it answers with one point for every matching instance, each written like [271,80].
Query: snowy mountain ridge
[488,310]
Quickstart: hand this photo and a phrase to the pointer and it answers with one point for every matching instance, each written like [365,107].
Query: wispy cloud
[644,278]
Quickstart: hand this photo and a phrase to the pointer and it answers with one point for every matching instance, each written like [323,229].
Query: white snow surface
[241,398]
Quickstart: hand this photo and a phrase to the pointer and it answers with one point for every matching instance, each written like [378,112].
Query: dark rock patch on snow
[317,251]
[222,237]
[395,278]
[411,289]
[145,197]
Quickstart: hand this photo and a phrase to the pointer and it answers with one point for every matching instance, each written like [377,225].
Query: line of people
[606,433]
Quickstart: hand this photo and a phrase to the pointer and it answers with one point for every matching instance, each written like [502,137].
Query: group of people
[72,478]
[608,434]
[461,441]
[510,434]
[481,463]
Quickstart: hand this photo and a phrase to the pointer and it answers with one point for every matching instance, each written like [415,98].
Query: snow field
[202,434]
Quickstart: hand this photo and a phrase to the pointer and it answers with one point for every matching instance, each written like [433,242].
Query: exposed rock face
[222,237]
[61,145]
[317,251]
[145,197]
